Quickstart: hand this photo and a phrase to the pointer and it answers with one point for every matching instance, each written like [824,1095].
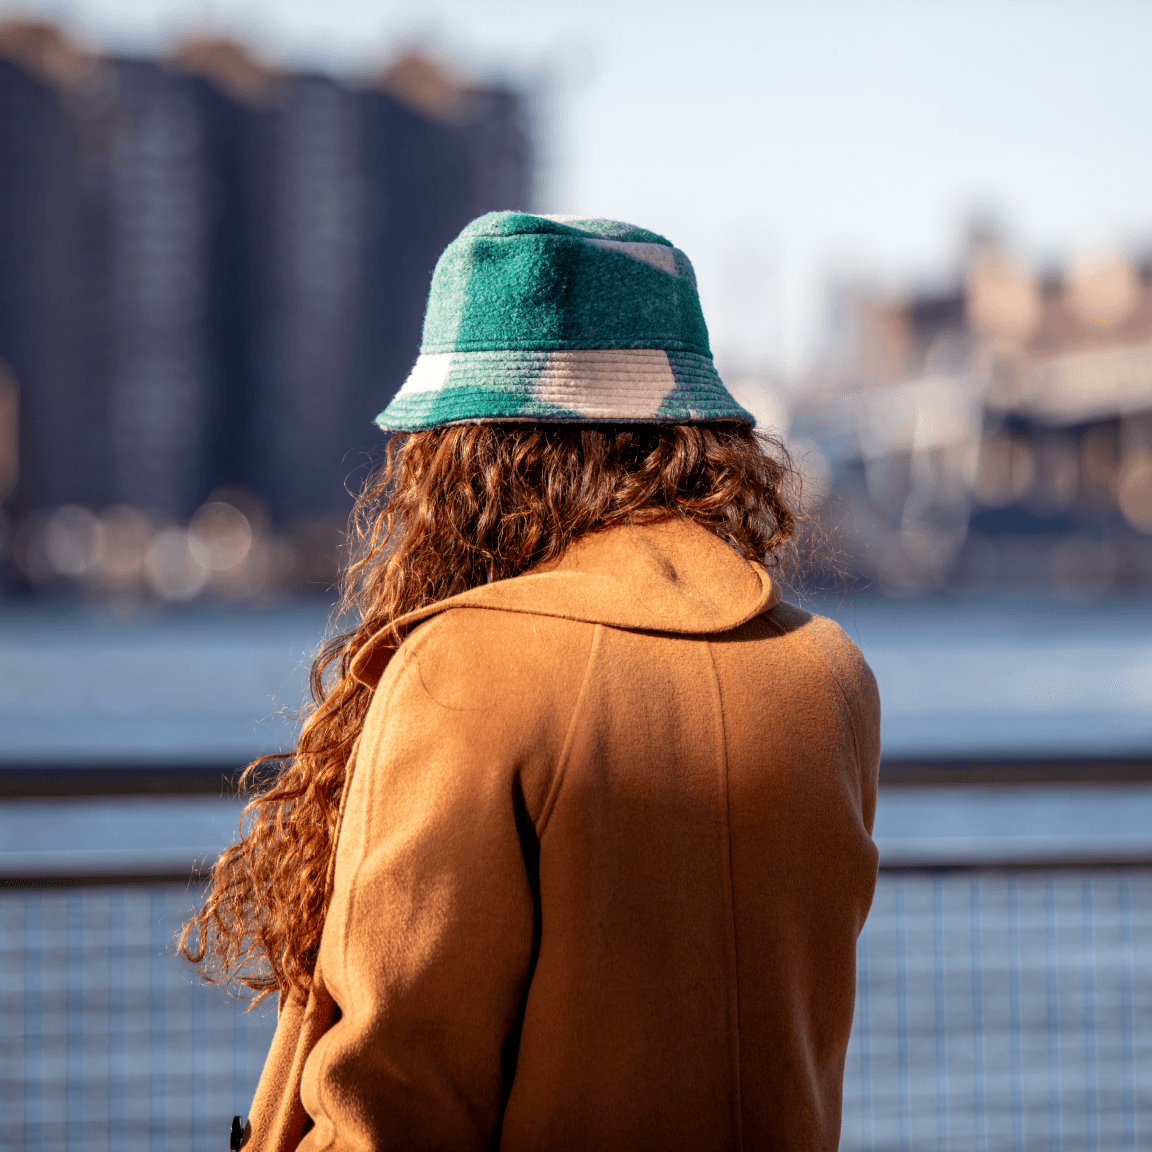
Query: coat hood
[670,576]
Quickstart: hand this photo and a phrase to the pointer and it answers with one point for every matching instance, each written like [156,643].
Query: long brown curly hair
[453,508]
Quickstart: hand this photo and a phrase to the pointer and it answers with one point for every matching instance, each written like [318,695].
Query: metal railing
[1003,1010]
[998,1008]
[106,1042]
[995,1011]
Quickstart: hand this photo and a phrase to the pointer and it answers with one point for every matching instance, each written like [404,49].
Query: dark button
[237,1137]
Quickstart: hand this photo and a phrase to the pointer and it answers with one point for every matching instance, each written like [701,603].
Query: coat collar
[671,576]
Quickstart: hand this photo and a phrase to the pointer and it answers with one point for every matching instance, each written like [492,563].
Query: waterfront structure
[995,430]
[204,285]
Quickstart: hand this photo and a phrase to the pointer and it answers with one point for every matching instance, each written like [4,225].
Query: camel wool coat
[603,858]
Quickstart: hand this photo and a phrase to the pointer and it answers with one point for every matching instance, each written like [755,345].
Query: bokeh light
[1103,288]
[1134,491]
[120,541]
[70,540]
[1003,301]
[219,536]
[172,570]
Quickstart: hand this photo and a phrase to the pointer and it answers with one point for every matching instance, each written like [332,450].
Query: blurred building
[213,275]
[55,270]
[995,432]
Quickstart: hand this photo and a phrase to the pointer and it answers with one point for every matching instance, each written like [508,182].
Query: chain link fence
[997,1011]
[1003,1012]
[106,1041]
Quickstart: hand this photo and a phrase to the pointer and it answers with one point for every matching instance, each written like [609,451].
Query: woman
[574,850]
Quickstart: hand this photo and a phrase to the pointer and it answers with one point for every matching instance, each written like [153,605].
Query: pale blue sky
[813,136]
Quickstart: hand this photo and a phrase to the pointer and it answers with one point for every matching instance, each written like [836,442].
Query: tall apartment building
[213,273]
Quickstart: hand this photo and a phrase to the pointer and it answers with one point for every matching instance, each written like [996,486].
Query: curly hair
[450,509]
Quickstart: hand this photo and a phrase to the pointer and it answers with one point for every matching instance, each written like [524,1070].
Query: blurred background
[923,237]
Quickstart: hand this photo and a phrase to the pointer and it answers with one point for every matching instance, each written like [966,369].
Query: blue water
[958,677]
[926,826]
[194,687]
[1008,675]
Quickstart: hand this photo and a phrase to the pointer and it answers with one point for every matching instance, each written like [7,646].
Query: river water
[1021,676]
[959,678]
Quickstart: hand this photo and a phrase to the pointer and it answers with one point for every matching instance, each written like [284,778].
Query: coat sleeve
[277,1118]
[428,942]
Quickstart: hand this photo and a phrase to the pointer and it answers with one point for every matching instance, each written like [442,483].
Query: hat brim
[571,386]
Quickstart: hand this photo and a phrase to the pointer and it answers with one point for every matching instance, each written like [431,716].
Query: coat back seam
[726,816]
[562,759]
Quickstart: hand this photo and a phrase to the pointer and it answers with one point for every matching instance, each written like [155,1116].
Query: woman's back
[604,857]
[573,850]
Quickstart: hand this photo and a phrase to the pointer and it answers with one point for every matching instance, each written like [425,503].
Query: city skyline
[844,139]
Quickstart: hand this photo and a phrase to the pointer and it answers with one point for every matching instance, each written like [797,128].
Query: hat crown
[584,227]
[561,319]
[518,281]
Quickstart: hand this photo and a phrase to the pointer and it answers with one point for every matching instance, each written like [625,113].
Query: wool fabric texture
[560,319]
[603,857]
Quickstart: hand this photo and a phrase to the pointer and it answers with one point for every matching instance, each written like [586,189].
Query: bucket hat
[561,319]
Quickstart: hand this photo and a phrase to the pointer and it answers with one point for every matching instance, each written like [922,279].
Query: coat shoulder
[814,654]
[487,656]
[491,693]
[843,662]
[834,647]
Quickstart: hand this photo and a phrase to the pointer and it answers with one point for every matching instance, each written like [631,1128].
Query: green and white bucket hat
[561,319]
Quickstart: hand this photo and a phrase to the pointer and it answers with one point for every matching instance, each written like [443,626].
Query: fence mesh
[995,1011]
[998,1012]
[105,1040]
